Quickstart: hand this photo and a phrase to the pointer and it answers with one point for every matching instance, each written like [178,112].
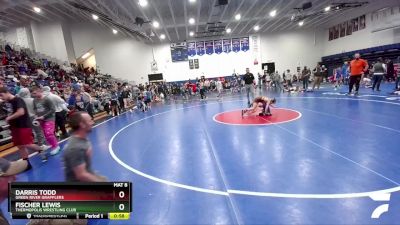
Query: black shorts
[114,102]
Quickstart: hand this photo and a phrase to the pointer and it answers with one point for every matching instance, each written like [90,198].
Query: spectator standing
[318,76]
[398,75]
[305,76]
[202,88]
[379,70]
[46,115]
[20,125]
[390,71]
[345,72]
[357,68]
[61,110]
[289,78]
[277,80]
[219,87]
[37,130]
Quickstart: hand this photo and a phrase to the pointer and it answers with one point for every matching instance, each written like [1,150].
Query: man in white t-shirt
[288,78]
[219,87]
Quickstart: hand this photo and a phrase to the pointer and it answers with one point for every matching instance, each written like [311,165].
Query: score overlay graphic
[108,200]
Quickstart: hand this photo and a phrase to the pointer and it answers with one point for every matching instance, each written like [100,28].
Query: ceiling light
[95,17]
[228,30]
[156,24]
[192,21]
[272,13]
[301,23]
[87,54]
[162,36]
[115,31]
[191,33]
[327,9]
[256,27]
[192,1]
[37,9]
[143,3]
[238,17]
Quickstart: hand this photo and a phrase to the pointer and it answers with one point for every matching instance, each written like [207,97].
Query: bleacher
[370,54]
[6,145]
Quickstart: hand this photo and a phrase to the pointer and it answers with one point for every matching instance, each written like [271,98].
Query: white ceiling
[173,15]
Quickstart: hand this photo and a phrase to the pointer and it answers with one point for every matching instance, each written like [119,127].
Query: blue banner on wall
[218,46]
[236,44]
[227,45]
[209,47]
[200,48]
[244,44]
[191,49]
[179,52]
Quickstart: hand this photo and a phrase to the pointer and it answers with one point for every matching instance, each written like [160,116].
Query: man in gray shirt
[46,114]
[379,70]
[78,152]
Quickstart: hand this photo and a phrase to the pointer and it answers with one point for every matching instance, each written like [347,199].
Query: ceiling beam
[5,21]
[223,12]
[317,20]
[125,22]
[72,9]
[8,20]
[9,17]
[245,14]
[279,12]
[83,14]
[209,16]
[25,14]
[62,18]
[294,25]
[185,18]
[136,6]
[29,8]
[256,14]
[198,15]
[265,17]
[236,11]
[52,7]
[281,21]
[161,20]
[323,21]
[173,18]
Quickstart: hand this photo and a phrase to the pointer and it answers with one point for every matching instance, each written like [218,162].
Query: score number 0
[121,206]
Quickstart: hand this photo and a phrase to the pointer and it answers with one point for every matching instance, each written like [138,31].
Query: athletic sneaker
[45,147]
[55,151]
[43,156]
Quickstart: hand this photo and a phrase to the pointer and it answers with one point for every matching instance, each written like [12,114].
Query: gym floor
[322,158]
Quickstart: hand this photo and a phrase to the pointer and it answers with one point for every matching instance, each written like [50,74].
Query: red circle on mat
[279,115]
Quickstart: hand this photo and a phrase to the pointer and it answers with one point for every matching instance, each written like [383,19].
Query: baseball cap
[8,168]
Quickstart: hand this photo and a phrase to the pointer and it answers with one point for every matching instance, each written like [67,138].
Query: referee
[249,82]
[357,68]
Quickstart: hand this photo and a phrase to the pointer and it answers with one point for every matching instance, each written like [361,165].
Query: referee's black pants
[354,80]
